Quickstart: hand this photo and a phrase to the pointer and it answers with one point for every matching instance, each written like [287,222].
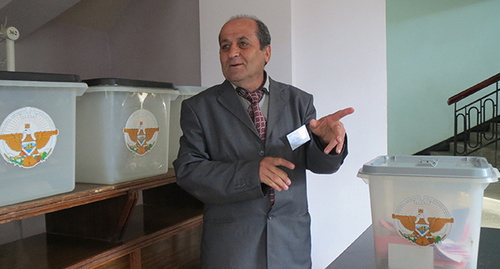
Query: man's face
[241,59]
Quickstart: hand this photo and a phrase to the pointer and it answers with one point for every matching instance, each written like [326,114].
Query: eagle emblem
[141,132]
[423,221]
[27,137]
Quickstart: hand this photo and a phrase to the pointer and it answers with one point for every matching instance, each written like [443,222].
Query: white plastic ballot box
[37,134]
[123,130]
[426,210]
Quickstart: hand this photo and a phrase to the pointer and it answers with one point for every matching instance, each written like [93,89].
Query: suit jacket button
[261,153]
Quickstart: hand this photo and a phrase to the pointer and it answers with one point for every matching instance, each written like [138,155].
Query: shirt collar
[265,86]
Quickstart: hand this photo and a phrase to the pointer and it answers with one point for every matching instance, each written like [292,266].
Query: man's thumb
[313,123]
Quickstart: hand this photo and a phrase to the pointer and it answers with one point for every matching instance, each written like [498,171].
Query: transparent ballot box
[123,130]
[37,134]
[426,210]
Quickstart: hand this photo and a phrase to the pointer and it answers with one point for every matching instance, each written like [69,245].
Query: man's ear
[267,52]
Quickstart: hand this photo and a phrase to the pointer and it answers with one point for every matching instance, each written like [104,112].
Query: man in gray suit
[252,179]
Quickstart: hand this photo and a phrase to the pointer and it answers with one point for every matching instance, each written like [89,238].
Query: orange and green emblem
[422,220]
[28,136]
[141,132]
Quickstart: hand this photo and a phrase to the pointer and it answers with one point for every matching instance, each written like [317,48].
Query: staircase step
[487,152]
[441,153]
[486,149]
[475,138]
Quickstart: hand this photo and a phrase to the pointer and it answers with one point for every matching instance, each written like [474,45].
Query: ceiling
[29,15]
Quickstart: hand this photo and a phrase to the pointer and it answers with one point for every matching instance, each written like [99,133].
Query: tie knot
[253,97]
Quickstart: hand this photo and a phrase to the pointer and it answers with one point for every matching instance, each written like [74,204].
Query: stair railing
[473,121]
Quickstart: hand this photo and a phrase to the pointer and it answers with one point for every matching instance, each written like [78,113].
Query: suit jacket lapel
[278,97]
[230,100]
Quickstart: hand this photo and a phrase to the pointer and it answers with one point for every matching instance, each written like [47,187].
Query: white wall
[339,56]
[337,53]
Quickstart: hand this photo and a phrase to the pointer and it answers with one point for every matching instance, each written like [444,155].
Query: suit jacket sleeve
[316,160]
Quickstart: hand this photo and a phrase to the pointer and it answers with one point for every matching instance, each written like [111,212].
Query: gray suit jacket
[218,163]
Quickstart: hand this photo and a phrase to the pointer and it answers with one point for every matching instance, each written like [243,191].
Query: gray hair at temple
[262,31]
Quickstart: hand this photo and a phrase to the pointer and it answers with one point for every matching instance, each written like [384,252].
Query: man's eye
[243,44]
[224,47]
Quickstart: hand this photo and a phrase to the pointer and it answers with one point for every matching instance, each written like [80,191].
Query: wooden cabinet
[103,226]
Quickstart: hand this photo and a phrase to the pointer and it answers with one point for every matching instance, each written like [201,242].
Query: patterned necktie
[254,110]
[258,119]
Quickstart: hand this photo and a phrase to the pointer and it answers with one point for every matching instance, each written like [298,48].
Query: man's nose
[234,51]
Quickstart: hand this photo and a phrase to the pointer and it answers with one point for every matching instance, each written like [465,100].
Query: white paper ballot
[410,257]
[298,137]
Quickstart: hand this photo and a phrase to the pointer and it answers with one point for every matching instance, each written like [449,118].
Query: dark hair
[262,31]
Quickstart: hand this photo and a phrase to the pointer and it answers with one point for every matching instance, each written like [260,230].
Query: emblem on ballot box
[422,220]
[28,136]
[141,131]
